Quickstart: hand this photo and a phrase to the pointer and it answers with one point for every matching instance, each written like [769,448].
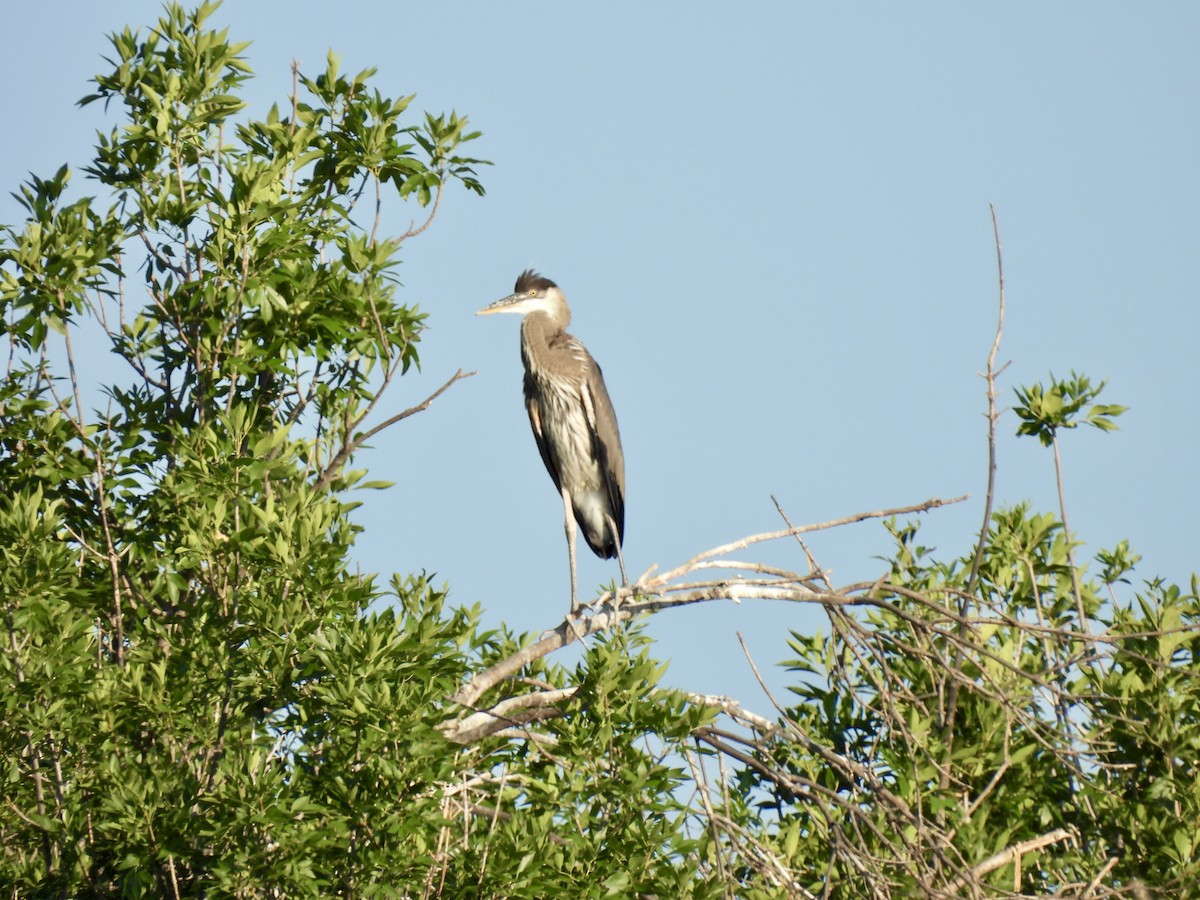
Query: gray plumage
[572,419]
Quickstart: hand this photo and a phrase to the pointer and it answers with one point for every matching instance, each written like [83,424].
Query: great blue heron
[572,418]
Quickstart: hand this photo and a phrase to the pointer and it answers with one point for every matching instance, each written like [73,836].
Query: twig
[702,789]
[932,503]
[992,415]
[1011,854]
[331,470]
[1062,506]
[813,569]
[1095,882]
[974,805]
[951,708]
[413,231]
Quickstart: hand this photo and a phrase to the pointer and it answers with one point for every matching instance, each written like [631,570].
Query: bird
[572,418]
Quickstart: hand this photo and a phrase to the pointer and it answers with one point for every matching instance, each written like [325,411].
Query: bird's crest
[530,280]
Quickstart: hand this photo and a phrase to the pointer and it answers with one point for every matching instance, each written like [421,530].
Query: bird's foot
[572,620]
[616,600]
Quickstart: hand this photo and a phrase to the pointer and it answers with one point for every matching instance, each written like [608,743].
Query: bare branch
[653,593]
[848,785]
[992,415]
[734,710]
[351,444]
[1011,854]
[933,503]
[413,230]
[570,630]
[519,710]
[813,568]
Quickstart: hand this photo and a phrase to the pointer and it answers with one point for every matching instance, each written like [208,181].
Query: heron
[572,419]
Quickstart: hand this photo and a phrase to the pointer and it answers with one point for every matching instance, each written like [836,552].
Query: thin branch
[1095,882]
[951,708]
[1062,507]
[702,789]
[1011,854]
[413,231]
[351,444]
[992,415]
[813,569]
[378,208]
[994,781]
[933,503]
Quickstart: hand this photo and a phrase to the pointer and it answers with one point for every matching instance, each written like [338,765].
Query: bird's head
[532,293]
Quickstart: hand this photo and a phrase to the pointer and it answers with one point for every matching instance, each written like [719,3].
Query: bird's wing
[535,421]
[606,442]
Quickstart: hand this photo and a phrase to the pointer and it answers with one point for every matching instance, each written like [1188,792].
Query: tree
[203,698]
[196,686]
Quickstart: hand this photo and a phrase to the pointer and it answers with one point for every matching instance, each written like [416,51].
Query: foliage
[1044,410]
[203,697]
[944,726]
[588,806]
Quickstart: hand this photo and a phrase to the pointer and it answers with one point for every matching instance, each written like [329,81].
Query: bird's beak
[511,303]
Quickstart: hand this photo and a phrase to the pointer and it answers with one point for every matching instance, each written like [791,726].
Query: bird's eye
[533,293]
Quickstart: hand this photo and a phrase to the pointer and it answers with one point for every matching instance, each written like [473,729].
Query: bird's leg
[569,525]
[620,556]
[612,526]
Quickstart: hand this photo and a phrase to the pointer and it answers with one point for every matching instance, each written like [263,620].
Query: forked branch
[742,581]
[352,443]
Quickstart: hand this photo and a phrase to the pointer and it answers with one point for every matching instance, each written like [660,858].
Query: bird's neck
[539,327]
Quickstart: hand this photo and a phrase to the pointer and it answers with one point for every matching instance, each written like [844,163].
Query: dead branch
[514,711]
[688,566]
[993,415]
[734,711]
[655,593]
[1010,854]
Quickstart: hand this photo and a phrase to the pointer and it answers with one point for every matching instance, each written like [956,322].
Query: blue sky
[773,228]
